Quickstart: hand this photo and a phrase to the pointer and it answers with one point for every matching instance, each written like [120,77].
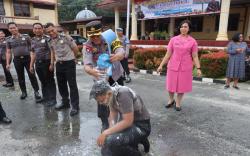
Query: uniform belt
[42,61]
[63,62]
[21,57]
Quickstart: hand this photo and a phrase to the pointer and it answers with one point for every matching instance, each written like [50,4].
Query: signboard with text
[153,9]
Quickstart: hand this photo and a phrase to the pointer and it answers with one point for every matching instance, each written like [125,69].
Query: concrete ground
[213,121]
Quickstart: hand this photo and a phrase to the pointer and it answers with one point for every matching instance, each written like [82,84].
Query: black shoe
[226,86]
[62,106]
[74,112]
[128,79]
[8,85]
[38,97]
[236,87]
[146,145]
[6,120]
[23,96]
[177,108]
[50,103]
[170,104]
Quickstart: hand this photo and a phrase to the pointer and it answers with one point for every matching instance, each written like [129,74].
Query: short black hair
[10,23]
[236,37]
[49,25]
[38,24]
[2,31]
[189,25]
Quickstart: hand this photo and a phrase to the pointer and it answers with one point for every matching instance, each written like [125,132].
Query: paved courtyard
[213,121]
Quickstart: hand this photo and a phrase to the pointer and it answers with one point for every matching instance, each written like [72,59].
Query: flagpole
[128,18]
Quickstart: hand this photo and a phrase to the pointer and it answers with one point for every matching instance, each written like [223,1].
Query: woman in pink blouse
[182,51]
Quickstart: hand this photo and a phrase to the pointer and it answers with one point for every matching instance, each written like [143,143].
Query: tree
[67,9]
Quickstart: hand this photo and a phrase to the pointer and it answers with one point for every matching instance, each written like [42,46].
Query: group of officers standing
[44,52]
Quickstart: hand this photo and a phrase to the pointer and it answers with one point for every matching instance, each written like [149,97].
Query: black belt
[22,57]
[65,62]
[43,61]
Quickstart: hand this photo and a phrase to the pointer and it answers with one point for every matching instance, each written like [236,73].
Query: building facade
[27,12]
[233,17]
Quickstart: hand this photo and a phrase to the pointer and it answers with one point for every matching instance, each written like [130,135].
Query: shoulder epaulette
[7,38]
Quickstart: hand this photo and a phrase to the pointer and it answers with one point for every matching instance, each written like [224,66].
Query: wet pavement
[213,121]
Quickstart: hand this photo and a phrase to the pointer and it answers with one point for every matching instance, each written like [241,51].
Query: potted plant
[151,36]
[163,35]
[157,35]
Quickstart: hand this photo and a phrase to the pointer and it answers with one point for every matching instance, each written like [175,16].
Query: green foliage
[214,64]
[148,58]
[67,9]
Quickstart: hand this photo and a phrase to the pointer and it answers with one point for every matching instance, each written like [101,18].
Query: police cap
[94,28]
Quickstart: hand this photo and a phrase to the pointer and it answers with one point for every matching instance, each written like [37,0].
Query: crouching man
[129,120]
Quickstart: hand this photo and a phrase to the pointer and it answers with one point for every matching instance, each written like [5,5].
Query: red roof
[111,3]
[46,2]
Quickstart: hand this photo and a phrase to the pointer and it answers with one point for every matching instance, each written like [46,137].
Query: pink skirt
[179,81]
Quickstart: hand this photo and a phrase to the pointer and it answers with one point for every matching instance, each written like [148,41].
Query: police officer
[3,117]
[19,45]
[124,62]
[41,56]
[129,120]
[93,48]
[65,50]
[8,77]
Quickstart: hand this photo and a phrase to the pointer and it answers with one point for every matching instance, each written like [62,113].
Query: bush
[203,51]
[148,58]
[132,50]
[214,65]
[79,54]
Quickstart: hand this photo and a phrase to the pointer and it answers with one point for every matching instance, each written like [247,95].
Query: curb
[201,79]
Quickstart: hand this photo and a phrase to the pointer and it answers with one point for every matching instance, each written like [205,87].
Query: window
[197,24]
[21,9]
[2,11]
[233,22]
[41,6]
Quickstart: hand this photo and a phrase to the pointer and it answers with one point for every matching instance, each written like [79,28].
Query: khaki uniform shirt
[20,45]
[39,46]
[3,49]
[62,46]
[91,52]
[126,101]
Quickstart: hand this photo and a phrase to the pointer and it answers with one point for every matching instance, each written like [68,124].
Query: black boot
[8,85]
[50,103]
[146,145]
[38,97]
[64,105]
[23,95]
[74,112]
[6,120]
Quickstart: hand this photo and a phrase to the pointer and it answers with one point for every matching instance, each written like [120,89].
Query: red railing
[209,43]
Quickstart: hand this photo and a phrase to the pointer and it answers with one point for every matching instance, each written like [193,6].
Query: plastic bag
[104,65]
